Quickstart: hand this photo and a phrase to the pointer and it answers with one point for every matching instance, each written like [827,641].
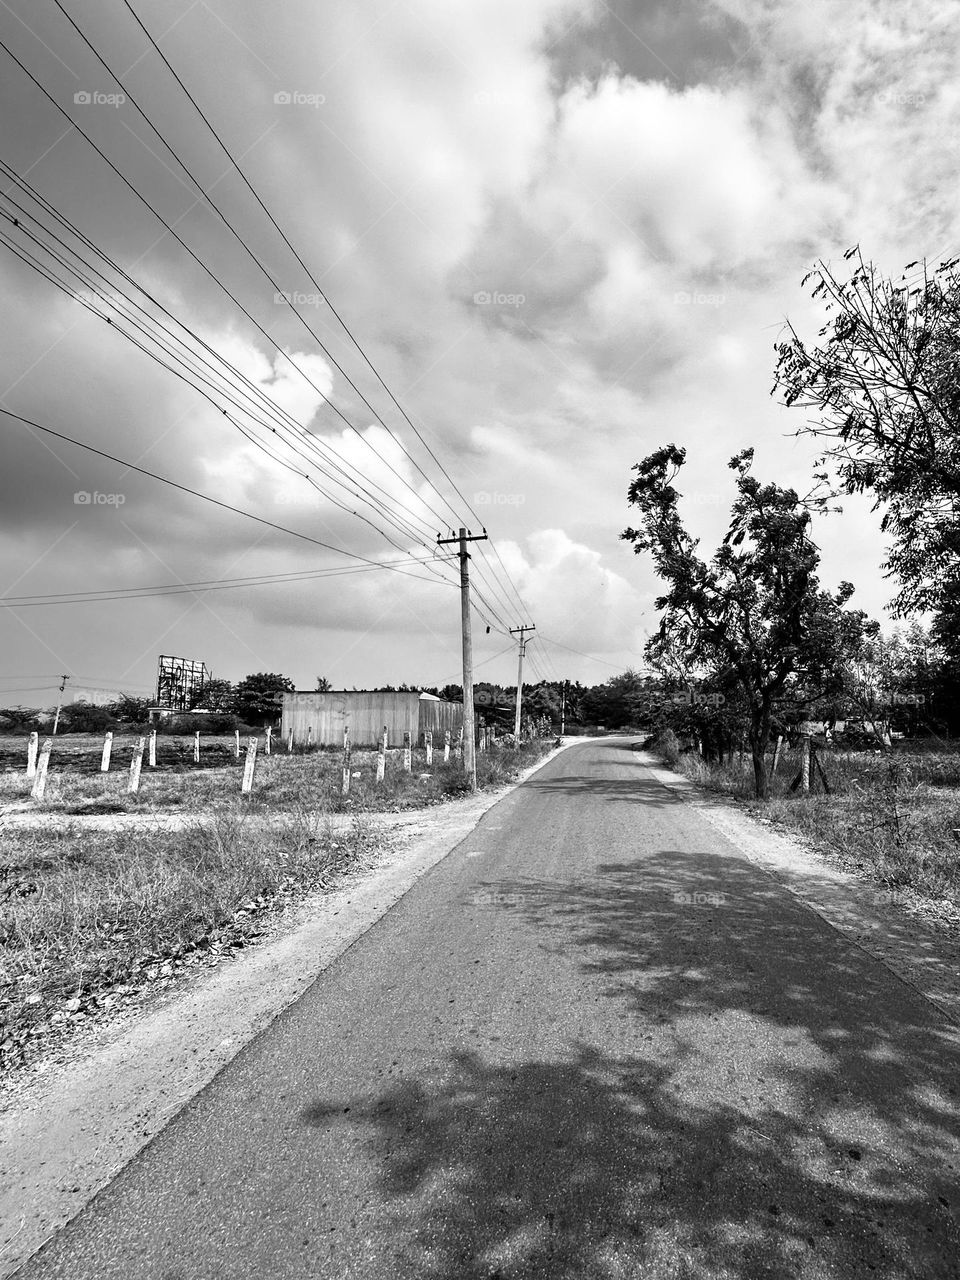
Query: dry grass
[891,815]
[88,917]
[311,779]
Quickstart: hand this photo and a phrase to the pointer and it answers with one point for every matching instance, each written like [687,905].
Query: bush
[81,717]
[666,745]
[19,719]
[210,722]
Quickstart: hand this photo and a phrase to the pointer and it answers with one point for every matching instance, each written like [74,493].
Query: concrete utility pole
[563,707]
[523,649]
[56,718]
[469,746]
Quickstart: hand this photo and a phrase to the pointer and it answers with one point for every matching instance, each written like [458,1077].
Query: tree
[214,695]
[885,385]
[617,703]
[130,710]
[755,615]
[323,684]
[255,698]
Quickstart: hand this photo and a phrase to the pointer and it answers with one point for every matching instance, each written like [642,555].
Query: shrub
[211,722]
[666,746]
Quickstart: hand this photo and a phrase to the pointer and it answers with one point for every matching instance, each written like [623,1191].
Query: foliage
[255,699]
[214,695]
[211,723]
[885,384]
[84,717]
[19,719]
[130,710]
[754,617]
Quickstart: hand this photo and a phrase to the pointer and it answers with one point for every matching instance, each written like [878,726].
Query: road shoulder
[920,947]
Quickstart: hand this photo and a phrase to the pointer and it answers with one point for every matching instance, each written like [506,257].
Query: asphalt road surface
[596,1041]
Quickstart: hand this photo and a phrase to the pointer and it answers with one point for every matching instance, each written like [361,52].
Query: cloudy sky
[564,234]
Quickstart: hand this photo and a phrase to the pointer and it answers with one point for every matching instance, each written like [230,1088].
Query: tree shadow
[784,1107]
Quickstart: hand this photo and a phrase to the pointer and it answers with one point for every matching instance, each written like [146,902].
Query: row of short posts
[38,758]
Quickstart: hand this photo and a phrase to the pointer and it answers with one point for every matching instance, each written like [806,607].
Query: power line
[107,594]
[333,310]
[226,506]
[275,411]
[246,248]
[170,229]
[309,274]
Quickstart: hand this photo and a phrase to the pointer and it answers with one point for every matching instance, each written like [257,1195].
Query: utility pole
[563,706]
[56,718]
[523,648]
[469,746]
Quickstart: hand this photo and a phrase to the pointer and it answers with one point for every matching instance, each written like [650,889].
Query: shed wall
[439,716]
[363,713]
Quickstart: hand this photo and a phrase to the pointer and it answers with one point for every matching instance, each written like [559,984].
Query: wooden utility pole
[523,648]
[469,752]
[56,718]
[563,707]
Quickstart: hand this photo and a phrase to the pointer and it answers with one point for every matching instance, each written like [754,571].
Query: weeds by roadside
[89,919]
[893,816]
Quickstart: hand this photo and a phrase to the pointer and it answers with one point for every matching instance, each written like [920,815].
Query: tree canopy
[754,617]
[884,382]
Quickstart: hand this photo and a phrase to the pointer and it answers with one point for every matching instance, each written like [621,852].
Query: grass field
[313,778]
[90,917]
[893,815]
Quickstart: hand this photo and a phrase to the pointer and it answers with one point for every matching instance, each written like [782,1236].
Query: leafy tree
[84,717]
[255,698]
[885,385]
[619,702]
[323,684]
[130,710]
[755,615]
[214,695]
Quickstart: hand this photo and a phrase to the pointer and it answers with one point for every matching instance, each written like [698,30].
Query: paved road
[594,1042]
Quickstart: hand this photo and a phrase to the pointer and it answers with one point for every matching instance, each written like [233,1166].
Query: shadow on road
[784,1106]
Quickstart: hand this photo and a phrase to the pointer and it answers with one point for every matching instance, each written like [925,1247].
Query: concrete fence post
[196,747]
[381,754]
[33,746]
[43,766]
[267,737]
[345,784]
[107,749]
[446,746]
[249,766]
[136,764]
[236,743]
[152,758]
[428,743]
[407,754]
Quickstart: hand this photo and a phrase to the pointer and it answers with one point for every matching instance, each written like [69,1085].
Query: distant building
[365,714]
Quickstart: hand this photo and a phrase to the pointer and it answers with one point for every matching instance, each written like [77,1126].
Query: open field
[89,917]
[308,778]
[893,815]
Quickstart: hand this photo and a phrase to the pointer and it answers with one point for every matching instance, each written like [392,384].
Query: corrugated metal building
[364,714]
